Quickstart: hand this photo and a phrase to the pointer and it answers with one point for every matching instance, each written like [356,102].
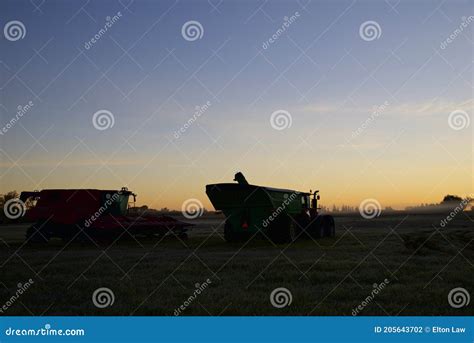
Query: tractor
[92,215]
[283,215]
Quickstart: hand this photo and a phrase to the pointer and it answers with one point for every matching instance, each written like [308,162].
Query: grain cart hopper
[91,214]
[281,214]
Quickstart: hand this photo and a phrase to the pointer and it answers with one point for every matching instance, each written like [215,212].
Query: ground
[417,261]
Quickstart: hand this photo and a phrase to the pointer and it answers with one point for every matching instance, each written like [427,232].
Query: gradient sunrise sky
[370,114]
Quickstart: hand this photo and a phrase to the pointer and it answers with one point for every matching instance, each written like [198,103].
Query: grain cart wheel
[283,230]
[229,235]
[38,233]
[328,226]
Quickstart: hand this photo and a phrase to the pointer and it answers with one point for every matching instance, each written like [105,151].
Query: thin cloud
[75,163]
[424,108]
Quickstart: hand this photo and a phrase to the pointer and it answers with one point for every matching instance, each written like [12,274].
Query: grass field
[421,262]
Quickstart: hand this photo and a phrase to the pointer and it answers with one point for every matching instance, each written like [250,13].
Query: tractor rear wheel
[317,229]
[328,227]
[323,226]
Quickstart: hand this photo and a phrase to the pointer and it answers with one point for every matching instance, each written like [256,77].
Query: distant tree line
[449,202]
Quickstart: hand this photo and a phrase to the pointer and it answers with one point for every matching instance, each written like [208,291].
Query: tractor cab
[117,202]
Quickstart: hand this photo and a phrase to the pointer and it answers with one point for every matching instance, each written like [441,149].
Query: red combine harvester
[92,214]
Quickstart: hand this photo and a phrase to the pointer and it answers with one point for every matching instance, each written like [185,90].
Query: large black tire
[316,230]
[38,233]
[325,226]
[283,230]
[329,226]
[229,235]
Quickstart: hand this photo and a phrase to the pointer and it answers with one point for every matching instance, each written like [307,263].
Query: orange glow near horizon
[159,186]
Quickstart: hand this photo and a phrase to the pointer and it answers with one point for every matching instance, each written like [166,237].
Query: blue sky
[319,70]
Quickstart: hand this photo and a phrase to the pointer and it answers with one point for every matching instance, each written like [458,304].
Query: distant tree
[10,195]
[451,198]
[5,197]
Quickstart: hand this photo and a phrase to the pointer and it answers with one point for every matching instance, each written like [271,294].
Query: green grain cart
[282,215]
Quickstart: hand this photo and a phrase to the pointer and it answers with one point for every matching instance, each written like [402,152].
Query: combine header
[283,215]
[92,214]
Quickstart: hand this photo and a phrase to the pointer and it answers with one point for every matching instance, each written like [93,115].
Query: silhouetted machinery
[283,215]
[92,214]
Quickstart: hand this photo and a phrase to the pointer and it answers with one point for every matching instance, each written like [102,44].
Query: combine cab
[283,215]
[91,214]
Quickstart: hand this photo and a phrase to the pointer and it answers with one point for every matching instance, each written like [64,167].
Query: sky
[359,99]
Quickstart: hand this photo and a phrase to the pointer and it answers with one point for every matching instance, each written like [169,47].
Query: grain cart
[281,214]
[92,214]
